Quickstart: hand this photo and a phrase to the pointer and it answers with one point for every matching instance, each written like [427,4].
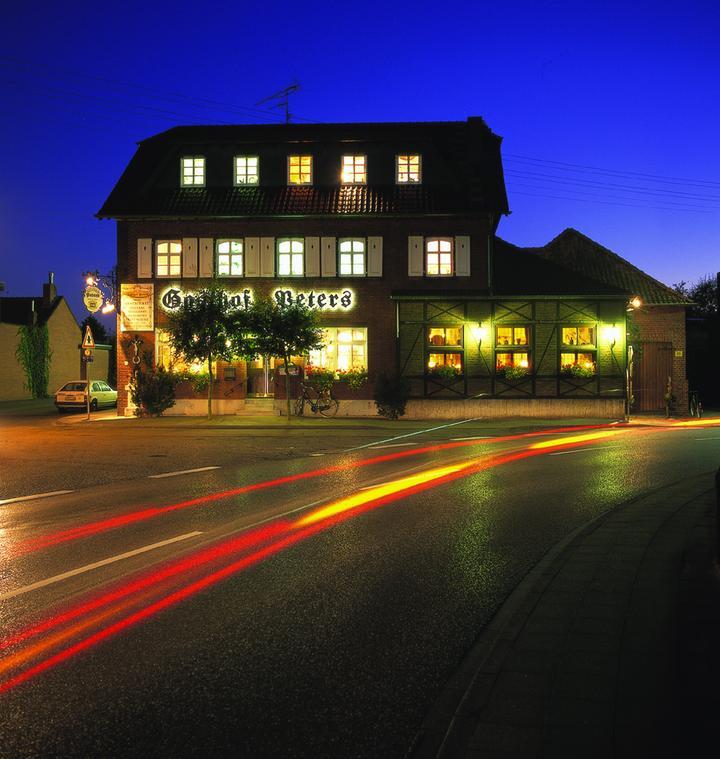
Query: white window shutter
[374,256]
[144,261]
[415,256]
[190,257]
[267,256]
[312,256]
[252,256]
[462,256]
[329,257]
[207,268]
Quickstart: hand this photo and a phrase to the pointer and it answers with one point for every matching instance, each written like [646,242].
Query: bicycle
[696,408]
[320,401]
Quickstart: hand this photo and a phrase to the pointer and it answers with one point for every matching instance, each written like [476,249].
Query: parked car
[74,395]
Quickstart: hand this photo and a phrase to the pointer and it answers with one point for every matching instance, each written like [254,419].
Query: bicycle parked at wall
[320,400]
[696,408]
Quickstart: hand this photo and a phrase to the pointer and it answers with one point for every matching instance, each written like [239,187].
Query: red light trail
[262,544]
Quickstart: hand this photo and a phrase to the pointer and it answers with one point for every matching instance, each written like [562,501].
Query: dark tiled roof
[19,310]
[576,252]
[282,201]
[462,171]
[519,271]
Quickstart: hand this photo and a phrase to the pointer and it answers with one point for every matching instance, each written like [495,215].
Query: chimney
[49,290]
[717,294]
[33,313]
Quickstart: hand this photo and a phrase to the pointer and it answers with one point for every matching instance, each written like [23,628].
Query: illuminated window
[169,359]
[168,254]
[300,169]
[247,169]
[291,257]
[444,336]
[408,169]
[514,359]
[351,258]
[439,257]
[230,258]
[450,360]
[582,335]
[345,348]
[192,171]
[353,169]
[512,336]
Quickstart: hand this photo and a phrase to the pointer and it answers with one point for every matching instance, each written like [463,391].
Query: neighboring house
[657,328]
[63,335]
[388,230]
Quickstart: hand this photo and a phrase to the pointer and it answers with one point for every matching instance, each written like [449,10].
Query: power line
[606,202]
[563,165]
[649,191]
[157,93]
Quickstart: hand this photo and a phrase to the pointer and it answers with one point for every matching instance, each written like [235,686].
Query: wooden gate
[652,370]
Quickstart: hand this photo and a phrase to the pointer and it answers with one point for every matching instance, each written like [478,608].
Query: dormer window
[192,171]
[408,169]
[300,169]
[354,169]
[247,170]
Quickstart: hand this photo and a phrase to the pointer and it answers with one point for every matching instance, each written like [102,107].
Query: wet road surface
[200,614]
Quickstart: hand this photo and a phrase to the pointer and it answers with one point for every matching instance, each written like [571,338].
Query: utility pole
[282,98]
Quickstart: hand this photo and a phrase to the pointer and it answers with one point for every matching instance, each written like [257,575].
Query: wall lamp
[612,334]
[479,333]
[634,303]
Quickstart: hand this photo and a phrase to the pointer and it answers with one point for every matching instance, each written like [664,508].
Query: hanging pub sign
[93,298]
[136,308]
[321,300]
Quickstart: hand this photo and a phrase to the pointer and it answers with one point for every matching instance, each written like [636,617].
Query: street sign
[88,340]
[93,298]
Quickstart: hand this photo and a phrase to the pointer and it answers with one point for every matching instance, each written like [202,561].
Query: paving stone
[591,686]
[516,708]
[570,742]
[540,641]
[530,661]
[593,643]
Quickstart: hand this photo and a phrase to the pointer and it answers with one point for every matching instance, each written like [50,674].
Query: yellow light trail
[573,439]
[697,422]
[379,491]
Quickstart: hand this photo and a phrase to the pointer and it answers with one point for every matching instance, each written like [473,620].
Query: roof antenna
[283,98]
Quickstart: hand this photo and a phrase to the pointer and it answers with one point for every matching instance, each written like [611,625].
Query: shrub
[198,381]
[153,391]
[391,395]
[354,378]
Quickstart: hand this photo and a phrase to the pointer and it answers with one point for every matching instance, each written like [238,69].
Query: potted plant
[515,373]
[353,378]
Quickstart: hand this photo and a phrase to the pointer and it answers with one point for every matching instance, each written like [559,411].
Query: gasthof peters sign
[322,300]
[136,308]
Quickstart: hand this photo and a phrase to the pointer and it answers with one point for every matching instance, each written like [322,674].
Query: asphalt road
[256,623]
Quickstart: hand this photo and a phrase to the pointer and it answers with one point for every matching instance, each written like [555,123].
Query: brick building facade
[387,229]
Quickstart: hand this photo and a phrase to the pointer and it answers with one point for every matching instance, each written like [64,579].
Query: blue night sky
[608,111]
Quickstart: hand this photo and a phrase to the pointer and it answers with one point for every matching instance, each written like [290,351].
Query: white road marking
[35,496]
[474,437]
[393,445]
[411,434]
[182,471]
[317,454]
[94,565]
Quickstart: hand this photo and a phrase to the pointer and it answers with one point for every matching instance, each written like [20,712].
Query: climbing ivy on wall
[33,354]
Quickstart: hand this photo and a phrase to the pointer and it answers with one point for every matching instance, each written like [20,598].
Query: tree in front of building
[152,389]
[284,331]
[201,330]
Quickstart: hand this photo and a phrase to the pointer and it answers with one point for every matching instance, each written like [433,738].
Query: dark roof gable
[20,310]
[579,253]
[462,171]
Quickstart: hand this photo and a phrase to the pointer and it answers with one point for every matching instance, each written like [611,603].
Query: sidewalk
[610,647]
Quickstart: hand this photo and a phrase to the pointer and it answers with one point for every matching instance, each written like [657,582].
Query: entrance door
[652,370]
[260,375]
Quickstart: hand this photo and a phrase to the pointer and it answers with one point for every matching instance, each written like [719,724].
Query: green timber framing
[545,317]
